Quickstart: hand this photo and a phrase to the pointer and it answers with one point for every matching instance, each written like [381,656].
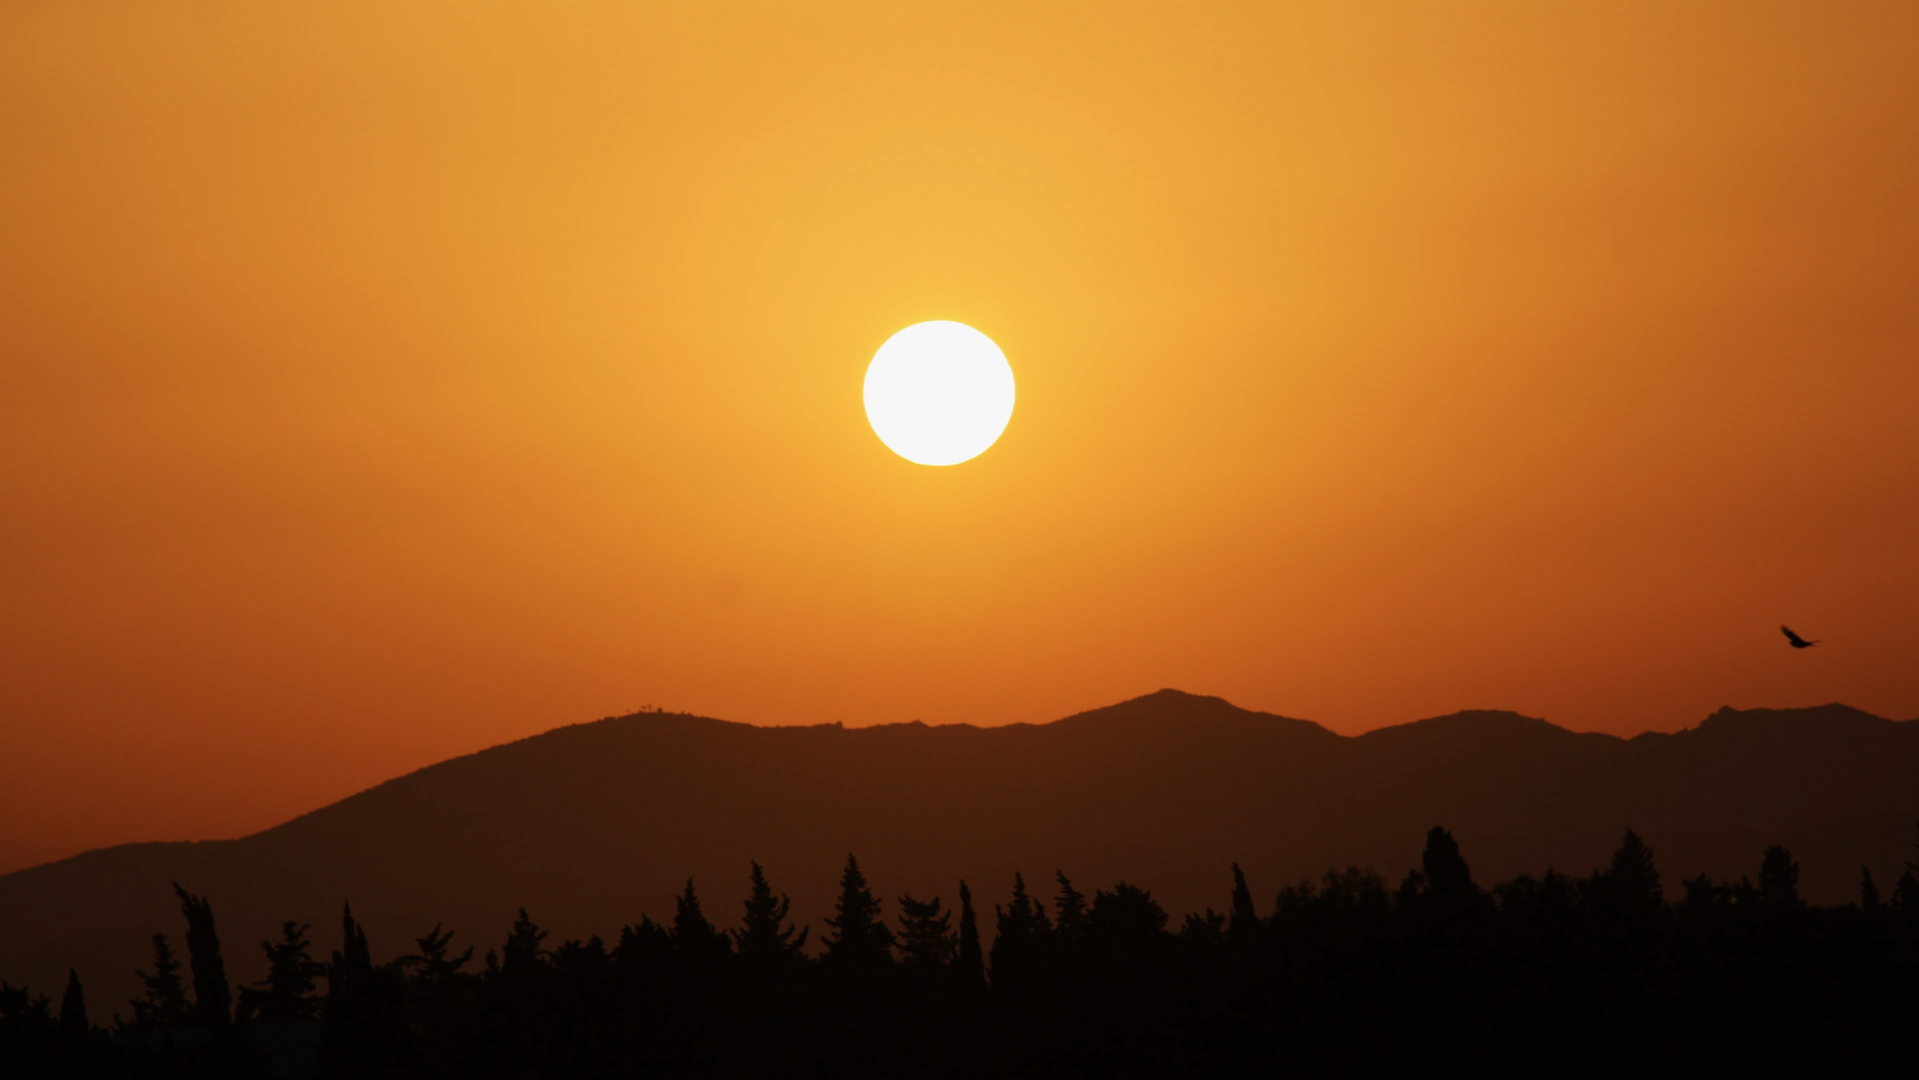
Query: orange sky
[380,381]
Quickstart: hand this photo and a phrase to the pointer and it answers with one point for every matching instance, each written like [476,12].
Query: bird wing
[1790,636]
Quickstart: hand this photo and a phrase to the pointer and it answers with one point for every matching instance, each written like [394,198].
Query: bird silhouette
[1795,640]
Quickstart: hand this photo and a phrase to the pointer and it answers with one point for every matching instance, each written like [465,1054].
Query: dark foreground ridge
[592,824]
[1541,976]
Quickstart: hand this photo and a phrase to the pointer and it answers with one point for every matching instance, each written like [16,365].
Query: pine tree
[287,993]
[1629,887]
[972,961]
[523,952]
[1704,897]
[212,996]
[165,1003]
[765,937]
[73,1007]
[860,939]
[1022,938]
[696,939]
[1069,906]
[644,950]
[926,933]
[431,964]
[1129,926]
[1203,933]
[21,1011]
[1868,890]
[1905,895]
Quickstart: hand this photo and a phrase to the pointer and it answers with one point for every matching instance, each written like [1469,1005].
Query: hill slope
[589,826]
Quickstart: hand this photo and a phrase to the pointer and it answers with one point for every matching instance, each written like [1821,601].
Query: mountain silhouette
[591,825]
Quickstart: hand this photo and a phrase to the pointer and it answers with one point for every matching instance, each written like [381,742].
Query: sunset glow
[381,381]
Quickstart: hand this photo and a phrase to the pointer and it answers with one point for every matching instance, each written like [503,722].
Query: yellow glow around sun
[939,393]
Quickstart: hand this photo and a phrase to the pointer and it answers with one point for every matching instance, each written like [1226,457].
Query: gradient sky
[380,381]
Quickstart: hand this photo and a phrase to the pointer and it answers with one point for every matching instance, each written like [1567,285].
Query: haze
[383,381]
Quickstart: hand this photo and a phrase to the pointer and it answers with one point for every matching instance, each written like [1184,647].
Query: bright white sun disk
[939,393]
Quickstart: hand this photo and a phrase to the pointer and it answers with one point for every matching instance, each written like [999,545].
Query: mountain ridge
[591,824]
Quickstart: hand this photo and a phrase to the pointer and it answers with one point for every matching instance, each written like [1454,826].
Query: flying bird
[1795,640]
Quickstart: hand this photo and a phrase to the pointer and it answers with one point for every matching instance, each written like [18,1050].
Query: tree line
[1598,975]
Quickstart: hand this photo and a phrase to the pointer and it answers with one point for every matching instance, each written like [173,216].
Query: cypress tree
[366,1031]
[1448,878]
[860,939]
[73,1007]
[212,996]
[1243,921]
[765,937]
[1442,890]
[972,961]
[164,1004]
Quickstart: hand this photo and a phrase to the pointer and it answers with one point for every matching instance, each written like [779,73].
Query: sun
[939,393]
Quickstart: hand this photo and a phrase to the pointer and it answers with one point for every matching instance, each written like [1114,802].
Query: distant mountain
[589,826]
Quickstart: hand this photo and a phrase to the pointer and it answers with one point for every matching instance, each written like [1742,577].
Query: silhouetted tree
[1442,888]
[859,939]
[1342,982]
[1069,909]
[20,1009]
[73,1007]
[642,948]
[212,996]
[164,1004]
[696,939]
[972,961]
[1628,888]
[926,934]
[437,987]
[432,964]
[1203,933]
[286,994]
[765,937]
[1779,879]
[1126,925]
[1905,895]
[1020,938]
[1447,874]
[1243,923]
[524,951]
[366,1031]
[1538,905]
[1704,897]
[1868,890]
